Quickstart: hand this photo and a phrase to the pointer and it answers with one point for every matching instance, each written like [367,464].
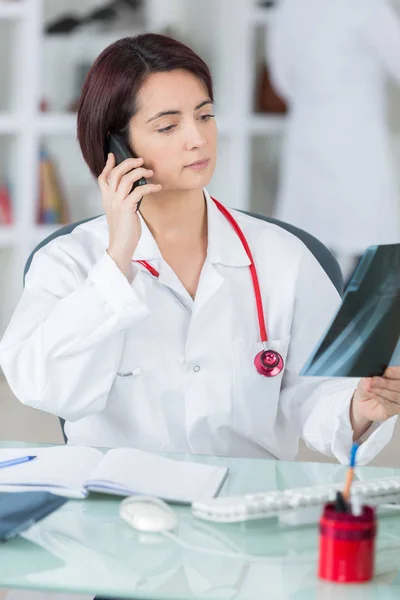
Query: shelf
[9,123]
[12,10]
[53,124]
[223,126]
[261,16]
[264,124]
[8,236]
[57,123]
[260,124]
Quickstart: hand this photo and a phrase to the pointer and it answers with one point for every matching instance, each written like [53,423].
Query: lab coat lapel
[209,283]
[224,250]
[224,245]
[169,278]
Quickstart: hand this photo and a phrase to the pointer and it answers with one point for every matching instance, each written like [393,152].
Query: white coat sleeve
[319,408]
[61,350]
[381,28]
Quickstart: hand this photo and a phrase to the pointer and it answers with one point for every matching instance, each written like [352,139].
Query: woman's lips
[199,165]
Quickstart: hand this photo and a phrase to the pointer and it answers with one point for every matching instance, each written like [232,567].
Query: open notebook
[74,471]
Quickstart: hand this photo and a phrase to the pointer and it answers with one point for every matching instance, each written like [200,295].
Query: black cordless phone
[117,146]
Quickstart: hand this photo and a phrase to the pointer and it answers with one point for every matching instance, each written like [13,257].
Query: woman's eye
[169,128]
[166,129]
[207,117]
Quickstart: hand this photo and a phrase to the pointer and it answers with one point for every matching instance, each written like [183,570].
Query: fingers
[390,408]
[115,176]
[141,191]
[382,393]
[385,390]
[392,373]
[129,179]
[387,395]
[383,383]
[103,177]
[116,182]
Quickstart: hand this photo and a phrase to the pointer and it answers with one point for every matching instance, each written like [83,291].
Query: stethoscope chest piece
[268,363]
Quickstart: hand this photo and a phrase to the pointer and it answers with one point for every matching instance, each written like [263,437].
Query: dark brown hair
[109,95]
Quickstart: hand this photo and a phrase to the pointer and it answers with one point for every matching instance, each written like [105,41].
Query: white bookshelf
[265,125]
[62,123]
[9,124]
[8,236]
[233,61]
[223,42]
[259,16]
[13,10]
[56,124]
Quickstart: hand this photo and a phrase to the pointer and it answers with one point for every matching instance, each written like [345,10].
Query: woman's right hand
[120,206]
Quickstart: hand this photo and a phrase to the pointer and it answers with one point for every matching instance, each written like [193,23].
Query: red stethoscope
[267,362]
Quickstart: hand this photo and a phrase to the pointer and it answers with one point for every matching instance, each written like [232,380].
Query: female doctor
[145,328]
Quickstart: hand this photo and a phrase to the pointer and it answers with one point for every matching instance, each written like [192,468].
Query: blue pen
[16,461]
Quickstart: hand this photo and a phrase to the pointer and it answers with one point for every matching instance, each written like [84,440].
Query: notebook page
[62,469]
[127,471]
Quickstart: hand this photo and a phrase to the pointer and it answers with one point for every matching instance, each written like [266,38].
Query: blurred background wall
[46,47]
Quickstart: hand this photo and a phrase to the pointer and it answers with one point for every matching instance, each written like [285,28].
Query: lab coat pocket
[256,397]
[128,373]
[128,384]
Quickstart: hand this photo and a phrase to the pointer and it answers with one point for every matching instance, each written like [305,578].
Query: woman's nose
[195,138]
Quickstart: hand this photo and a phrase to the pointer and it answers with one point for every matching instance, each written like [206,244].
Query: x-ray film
[363,338]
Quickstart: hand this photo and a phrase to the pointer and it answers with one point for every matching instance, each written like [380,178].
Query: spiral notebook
[74,471]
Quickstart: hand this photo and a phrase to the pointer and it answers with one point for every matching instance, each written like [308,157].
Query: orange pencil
[350,473]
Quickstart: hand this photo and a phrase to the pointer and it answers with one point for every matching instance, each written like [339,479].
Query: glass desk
[85,547]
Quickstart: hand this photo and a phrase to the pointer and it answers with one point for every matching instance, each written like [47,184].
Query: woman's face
[174,130]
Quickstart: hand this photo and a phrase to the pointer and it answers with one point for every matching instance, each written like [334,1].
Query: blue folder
[20,510]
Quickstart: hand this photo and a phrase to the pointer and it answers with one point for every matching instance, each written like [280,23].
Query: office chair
[325,258]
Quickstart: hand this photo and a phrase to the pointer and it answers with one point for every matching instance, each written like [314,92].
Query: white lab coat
[330,60]
[138,363]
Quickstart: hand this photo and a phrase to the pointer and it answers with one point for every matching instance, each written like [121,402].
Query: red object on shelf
[267,100]
[6,217]
[347,545]
[43,105]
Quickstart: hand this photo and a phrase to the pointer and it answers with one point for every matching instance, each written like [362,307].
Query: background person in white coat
[141,329]
[330,61]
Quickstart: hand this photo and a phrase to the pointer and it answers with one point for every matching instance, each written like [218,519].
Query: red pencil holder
[347,545]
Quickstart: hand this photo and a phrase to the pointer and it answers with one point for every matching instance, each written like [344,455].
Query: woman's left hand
[376,399]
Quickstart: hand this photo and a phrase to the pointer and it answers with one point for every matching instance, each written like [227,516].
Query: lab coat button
[196,368]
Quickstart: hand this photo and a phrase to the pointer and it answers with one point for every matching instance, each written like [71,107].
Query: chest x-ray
[363,338]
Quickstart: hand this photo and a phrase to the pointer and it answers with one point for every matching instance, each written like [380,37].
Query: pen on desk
[350,473]
[16,461]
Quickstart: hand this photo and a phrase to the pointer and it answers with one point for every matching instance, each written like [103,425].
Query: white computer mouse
[145,513]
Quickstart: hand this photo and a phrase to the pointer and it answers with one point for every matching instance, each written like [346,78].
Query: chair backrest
[325,258]
[59,232]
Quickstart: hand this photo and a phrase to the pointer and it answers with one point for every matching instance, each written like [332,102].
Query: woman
[330,61]
[140,328]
